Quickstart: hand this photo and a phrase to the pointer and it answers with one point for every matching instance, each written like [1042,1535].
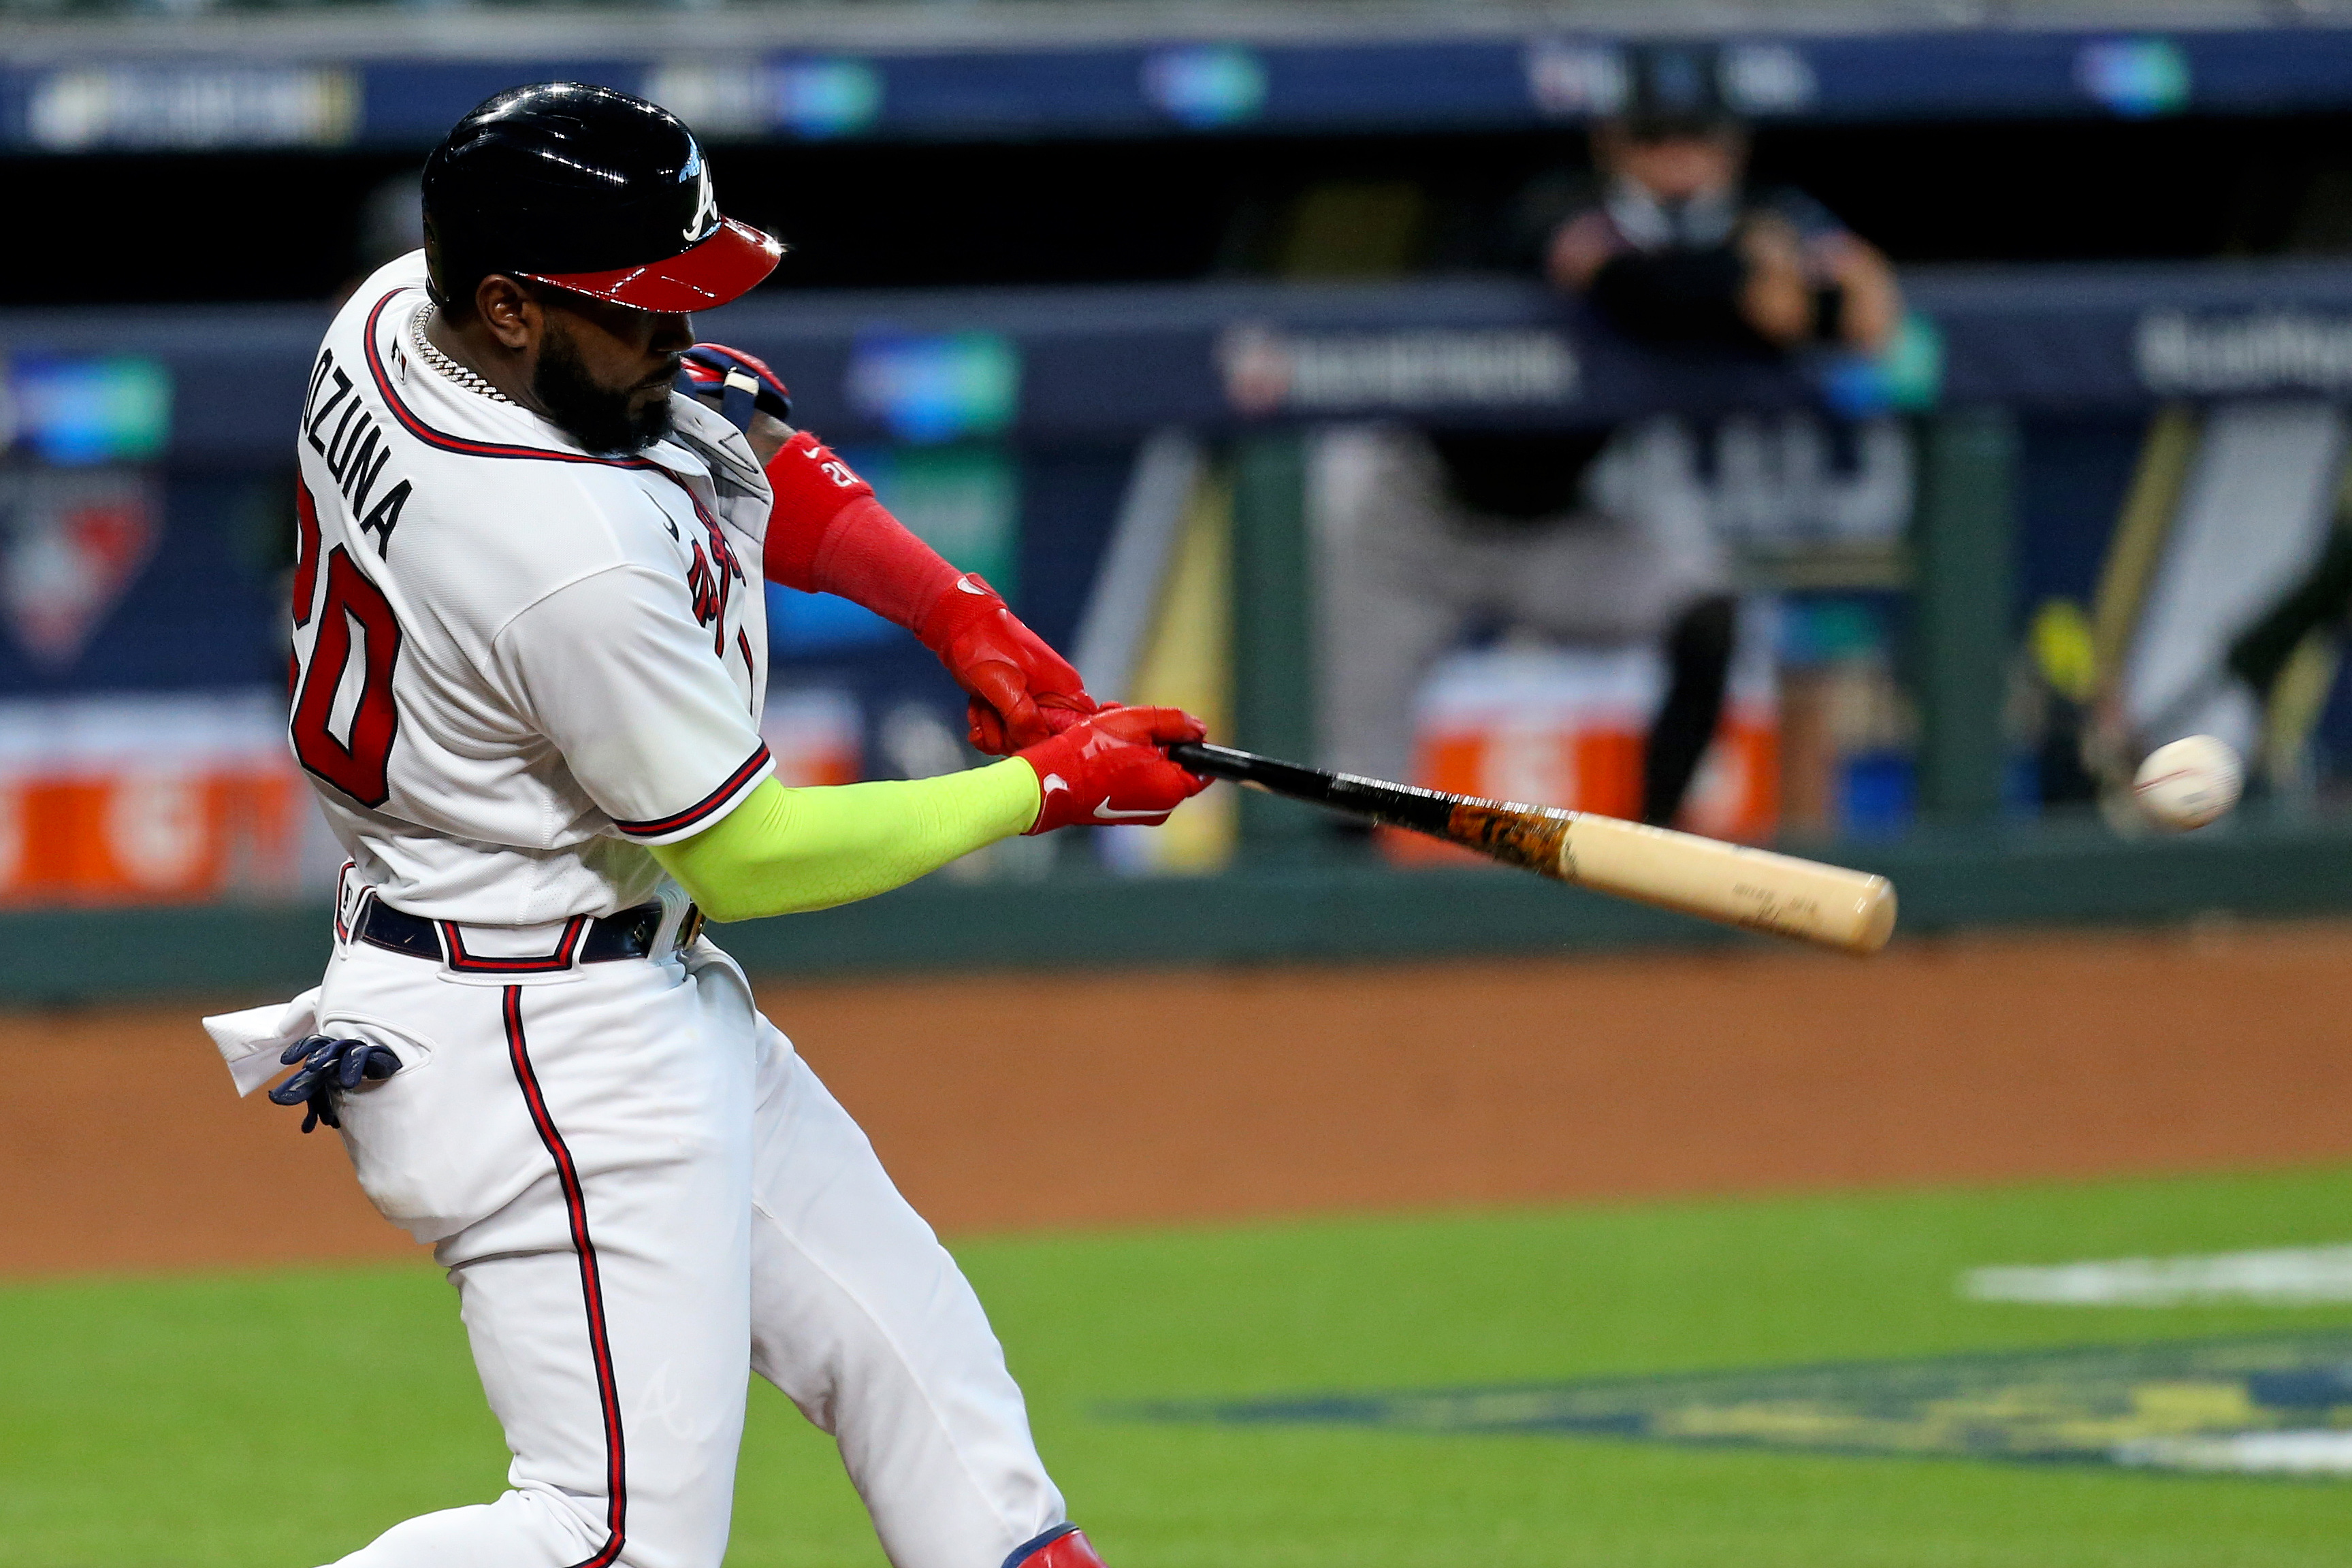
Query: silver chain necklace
[472,381]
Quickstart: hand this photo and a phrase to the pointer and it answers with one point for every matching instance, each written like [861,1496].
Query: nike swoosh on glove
[736,383]
[1022,691]
[1109,770]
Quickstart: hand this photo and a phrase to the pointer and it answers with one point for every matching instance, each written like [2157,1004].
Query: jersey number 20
[355,765]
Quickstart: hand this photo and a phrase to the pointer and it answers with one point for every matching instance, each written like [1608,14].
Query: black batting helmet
[590,189]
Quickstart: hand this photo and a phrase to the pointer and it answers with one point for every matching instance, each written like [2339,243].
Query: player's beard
[598,418]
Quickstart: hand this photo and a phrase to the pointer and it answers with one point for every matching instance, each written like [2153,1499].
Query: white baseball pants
[641,1193]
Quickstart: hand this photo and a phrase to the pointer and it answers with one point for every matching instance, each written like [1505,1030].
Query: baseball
[2189,783]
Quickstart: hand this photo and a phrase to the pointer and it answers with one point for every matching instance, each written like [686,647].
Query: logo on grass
[2279,1404]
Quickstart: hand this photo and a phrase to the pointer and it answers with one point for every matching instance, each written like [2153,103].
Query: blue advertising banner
[1113,362]
[1445,80]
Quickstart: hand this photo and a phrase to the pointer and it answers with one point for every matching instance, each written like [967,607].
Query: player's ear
[507,308]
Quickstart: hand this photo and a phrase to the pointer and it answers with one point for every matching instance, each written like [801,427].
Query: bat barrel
[1851,911]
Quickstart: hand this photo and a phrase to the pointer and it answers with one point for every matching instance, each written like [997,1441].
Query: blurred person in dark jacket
[1674,248]
[1590,537]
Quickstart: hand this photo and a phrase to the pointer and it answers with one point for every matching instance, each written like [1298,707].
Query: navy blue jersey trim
[1037,1544]
[702,808]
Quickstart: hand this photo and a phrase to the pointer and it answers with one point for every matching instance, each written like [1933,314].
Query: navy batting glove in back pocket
[329,1066]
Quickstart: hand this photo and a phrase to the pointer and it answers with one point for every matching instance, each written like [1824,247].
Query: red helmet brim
[719,269]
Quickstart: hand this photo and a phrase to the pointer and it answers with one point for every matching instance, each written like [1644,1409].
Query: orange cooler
[1565,727]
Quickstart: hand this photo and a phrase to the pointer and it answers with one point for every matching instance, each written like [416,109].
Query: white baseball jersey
[516,663]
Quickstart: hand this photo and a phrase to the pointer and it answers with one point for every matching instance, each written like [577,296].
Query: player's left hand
[1112,769]
[739,385]
[330,1065]
[1022,692]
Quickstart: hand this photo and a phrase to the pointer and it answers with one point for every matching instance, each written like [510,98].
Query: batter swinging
[529,663]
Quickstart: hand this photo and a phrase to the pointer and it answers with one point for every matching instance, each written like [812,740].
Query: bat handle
[1398,804]
[1215,761]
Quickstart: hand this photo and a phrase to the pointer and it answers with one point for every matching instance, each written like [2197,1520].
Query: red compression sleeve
[828,534]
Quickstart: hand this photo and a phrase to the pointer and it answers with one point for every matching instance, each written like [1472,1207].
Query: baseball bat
[1851,911]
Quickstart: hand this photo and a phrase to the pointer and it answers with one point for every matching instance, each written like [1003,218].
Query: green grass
[278,1420]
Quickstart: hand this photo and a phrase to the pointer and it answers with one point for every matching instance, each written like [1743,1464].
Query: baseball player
[530,653]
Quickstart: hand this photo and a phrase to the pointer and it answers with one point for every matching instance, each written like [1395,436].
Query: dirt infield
[1022,1101]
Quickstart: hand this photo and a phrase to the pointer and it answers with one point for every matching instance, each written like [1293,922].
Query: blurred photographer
[1675,249]
[1590,536]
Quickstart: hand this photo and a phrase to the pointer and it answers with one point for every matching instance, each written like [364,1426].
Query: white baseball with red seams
[2189,783]
[516,665]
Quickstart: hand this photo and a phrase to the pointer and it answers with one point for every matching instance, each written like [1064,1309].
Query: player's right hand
[1020,690]
[1108,769]
[735,384]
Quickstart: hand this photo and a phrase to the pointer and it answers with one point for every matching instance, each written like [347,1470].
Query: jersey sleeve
[616,672]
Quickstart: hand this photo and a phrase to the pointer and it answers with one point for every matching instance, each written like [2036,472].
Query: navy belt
[629,934]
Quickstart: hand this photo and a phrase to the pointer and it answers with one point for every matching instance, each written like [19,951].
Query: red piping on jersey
[592,1284]
[454,941]
[702,808]
[447,443]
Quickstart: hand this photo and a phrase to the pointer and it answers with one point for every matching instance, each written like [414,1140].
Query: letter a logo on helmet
[590,189]
[705,200]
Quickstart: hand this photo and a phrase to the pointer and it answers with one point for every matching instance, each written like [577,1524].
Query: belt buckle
[689,928]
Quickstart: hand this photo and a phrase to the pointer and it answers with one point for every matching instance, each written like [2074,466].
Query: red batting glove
[1109,770]
[1022,691]
[828,534]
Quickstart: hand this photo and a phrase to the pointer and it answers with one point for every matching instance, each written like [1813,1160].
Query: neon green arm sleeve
[785,851]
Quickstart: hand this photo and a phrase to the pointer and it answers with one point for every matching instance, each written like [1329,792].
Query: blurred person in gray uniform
[1589,537]
[1606,540]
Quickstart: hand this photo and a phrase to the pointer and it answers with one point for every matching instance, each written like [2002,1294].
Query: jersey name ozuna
[516,663]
